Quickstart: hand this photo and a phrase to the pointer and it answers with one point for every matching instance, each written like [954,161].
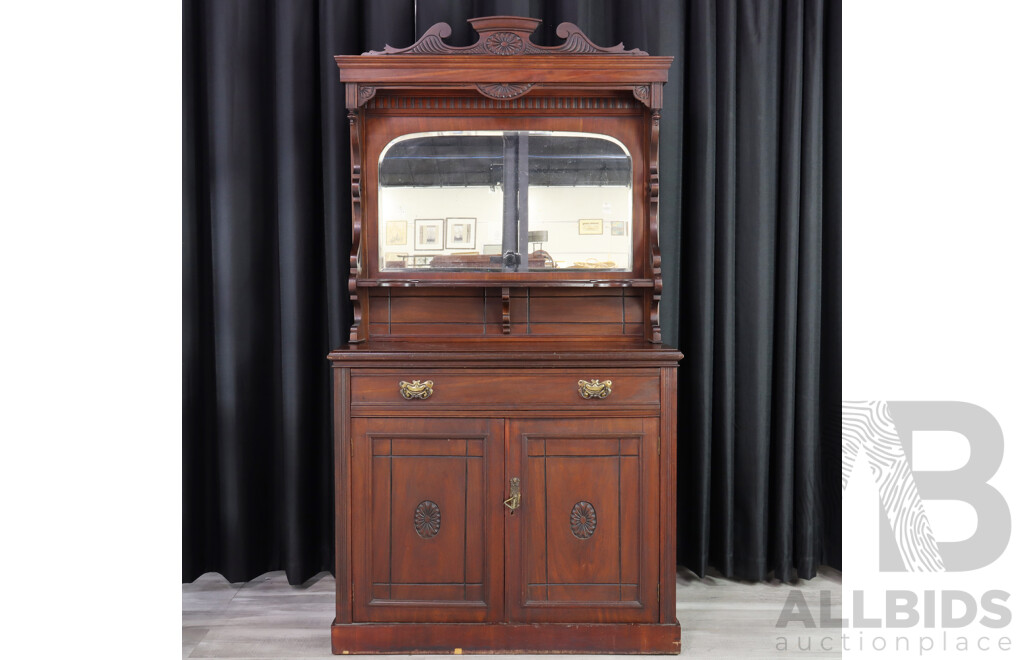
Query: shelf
[510,352]
[510,283]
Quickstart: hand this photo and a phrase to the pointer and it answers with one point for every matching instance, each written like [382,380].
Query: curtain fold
[750,231]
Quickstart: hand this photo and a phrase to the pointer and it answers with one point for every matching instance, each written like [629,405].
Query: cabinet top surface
[509,352]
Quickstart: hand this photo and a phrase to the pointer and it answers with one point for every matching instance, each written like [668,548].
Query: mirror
[505,201]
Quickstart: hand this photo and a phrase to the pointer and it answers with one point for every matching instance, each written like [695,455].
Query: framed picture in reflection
[396,232]
[460,233]
[429,234]
[617,227]
[591,227]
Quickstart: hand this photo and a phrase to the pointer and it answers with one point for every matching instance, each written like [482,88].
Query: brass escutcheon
[513,502]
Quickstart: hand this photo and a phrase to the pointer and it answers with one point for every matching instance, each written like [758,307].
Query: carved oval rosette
[583,520]
[427,519]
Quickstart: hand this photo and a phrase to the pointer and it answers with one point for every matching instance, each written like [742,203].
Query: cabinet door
[583,546]
[427,538]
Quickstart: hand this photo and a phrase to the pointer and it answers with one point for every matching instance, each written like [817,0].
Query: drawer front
[485,388]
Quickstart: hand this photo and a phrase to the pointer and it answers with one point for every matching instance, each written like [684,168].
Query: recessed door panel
[588,492]
[434,546]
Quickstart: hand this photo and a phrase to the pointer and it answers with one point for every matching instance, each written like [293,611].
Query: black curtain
[750,231]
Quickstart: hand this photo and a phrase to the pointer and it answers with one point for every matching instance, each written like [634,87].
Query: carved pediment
[505,35]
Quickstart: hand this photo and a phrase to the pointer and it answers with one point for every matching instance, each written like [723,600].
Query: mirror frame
[459,212]
[382,129]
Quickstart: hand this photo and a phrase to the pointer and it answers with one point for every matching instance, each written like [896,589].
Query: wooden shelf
[434,283]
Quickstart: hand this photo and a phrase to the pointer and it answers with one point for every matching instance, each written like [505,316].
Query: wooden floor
[267,618]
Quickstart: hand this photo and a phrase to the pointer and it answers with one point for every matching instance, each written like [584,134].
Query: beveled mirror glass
[516,201]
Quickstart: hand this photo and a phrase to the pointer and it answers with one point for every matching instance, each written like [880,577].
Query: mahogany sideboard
[505,411]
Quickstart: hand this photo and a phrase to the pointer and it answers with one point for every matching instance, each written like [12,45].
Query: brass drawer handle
[416,389]
[516,497]
[595,389]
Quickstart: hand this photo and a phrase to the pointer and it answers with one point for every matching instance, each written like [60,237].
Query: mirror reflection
[505,201]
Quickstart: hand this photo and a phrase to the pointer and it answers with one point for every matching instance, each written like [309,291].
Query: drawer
[485,388]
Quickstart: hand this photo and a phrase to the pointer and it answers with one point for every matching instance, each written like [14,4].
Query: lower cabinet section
[515,534]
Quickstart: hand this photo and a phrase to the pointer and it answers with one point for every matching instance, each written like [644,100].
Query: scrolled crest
[502,36]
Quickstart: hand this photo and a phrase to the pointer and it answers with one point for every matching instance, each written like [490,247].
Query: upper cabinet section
[505,201]
[504,163]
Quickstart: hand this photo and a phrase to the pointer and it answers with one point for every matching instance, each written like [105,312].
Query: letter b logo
[883,431]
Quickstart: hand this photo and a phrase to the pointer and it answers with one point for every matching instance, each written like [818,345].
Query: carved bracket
[503,36]
[358,331]
[650,95]
[654,192]
[506,312]
[366,93]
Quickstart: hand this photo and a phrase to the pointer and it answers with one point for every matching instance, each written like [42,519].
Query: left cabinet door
[427,519]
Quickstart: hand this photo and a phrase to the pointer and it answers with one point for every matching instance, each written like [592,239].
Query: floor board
[269,619]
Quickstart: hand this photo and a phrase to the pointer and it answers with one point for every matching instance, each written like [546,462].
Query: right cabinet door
[583,544]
